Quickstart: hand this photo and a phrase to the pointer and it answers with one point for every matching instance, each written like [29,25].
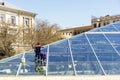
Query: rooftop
[7,5]
[78,28]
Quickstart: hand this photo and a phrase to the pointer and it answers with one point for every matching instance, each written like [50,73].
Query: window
[2,18]
[99,25]
[113,21]
[75,33]
[27,22]
[95,25]
[69,33]
[13,20]
[104,24]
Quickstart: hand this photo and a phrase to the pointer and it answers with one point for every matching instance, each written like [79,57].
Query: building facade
[105,20]
[67,33]
[95,23]
[18,20]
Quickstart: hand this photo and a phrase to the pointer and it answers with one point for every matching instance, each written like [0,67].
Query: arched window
[107,23]
[113,21]
[104,24]
[75,33]
[95,25]
[99,24]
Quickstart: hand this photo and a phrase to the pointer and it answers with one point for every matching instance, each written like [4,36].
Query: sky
[69,13]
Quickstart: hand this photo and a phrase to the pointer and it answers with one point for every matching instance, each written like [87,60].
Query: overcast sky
[69,13]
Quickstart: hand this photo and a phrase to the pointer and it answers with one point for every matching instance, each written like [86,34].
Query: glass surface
[31,51]
[88,68]
[60,69]
[117,25]
[30,57]
[117,47]
[60,58]
[82,41]
[108,56]
[108,28]
[98,41]
[58,49]
[29,69]
[103,49]
[8,68]
[61,43]
[81,49]
[78,37]
[16,58]
[114,38]
[95,36]
[84,57]
[111,67]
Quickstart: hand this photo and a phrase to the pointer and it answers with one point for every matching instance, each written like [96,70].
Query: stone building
[18,19]
[104,20]
[69,32]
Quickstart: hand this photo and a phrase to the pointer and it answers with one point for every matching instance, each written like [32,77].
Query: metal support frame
[23,57]
[95,55]
[110,41]
[102,32]
[19,69]
[47,60]
[72,57]
[115,27]
[111,44]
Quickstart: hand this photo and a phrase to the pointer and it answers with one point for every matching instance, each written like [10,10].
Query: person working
[37,50]
[43,57]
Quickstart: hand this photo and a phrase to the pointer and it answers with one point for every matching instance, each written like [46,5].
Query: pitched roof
[8,5]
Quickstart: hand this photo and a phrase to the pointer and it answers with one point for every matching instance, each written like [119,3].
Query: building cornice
[21,12]
[77,28]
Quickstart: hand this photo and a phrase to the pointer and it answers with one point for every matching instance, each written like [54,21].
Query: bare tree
[29,38]
[43,32]
[7,38]
[46,33]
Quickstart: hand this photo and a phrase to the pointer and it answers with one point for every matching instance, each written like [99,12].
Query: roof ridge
[9,5]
